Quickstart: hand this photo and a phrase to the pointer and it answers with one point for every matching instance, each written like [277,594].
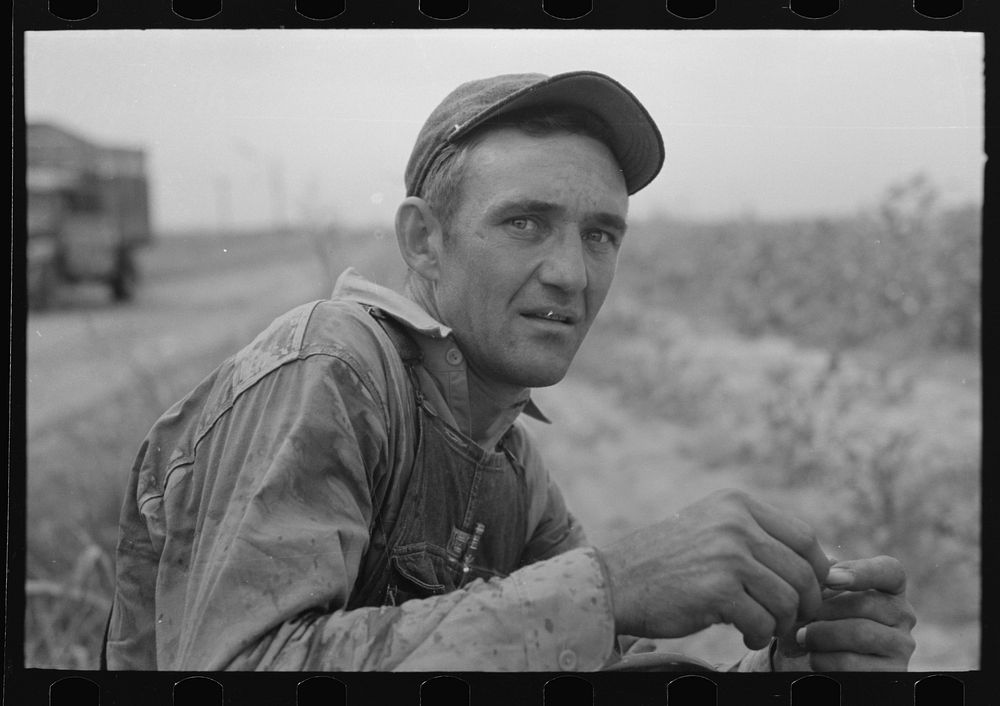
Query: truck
[87,213]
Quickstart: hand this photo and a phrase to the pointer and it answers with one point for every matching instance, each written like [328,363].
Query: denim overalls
[463,514]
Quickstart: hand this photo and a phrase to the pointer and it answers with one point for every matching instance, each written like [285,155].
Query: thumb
[880,573]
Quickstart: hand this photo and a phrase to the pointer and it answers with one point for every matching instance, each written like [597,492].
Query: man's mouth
[554,315]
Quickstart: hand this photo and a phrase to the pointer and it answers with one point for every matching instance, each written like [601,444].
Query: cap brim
[637,143]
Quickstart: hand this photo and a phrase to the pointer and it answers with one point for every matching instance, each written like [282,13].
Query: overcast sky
[247,127]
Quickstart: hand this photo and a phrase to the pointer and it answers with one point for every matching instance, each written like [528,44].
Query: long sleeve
[255,512]
[131,632]
[551,616]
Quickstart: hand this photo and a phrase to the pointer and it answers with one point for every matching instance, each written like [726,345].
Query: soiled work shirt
[250,507]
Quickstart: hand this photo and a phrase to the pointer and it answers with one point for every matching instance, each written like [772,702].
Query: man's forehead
[516,162]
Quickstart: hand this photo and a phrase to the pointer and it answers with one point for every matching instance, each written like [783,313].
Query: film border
[32,686]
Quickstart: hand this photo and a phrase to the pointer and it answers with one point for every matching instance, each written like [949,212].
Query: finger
[793,533]
[788,577]
[857,635]
[789,646]
[778,597]
[882,573]
[853,662]
[894,611]
[752,620]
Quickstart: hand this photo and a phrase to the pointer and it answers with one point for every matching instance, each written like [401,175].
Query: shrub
[853,435]
[904,266]
[653,367]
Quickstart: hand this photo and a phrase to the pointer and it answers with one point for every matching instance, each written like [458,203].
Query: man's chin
[539,368]
[544,376]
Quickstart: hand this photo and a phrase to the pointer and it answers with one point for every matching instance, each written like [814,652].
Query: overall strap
[409,351]
[376,557]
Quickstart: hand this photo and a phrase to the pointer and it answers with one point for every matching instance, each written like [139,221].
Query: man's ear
[419,236]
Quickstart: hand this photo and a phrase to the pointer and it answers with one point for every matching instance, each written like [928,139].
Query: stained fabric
[251,507]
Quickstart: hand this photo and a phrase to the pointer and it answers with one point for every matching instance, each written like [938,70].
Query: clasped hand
[732,559]
[863,624]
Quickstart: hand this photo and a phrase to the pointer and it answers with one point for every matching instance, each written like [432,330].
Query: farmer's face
[531,253]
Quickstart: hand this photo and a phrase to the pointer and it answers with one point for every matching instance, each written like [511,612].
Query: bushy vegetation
[894,478]
[905,266]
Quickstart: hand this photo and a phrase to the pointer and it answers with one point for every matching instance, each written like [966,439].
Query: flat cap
[635,140]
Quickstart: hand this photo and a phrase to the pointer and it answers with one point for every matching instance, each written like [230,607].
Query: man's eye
[600,237]
[522,223]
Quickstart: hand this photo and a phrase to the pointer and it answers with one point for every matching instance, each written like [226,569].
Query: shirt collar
[433,338]
[352,285]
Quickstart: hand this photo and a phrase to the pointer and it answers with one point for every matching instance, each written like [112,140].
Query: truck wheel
[124,283]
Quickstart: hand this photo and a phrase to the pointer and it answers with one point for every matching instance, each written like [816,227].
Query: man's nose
[565,264]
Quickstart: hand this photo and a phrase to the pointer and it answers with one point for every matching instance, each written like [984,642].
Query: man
[352,491]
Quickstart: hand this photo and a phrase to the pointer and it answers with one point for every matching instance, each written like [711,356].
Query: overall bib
[462,515]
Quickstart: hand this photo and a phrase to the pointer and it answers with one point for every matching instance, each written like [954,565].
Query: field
[828,367]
